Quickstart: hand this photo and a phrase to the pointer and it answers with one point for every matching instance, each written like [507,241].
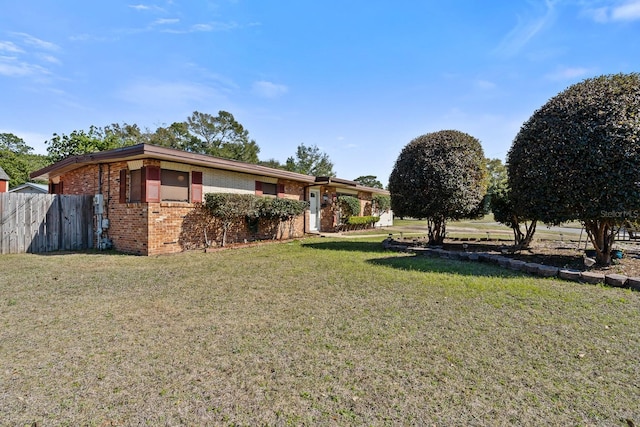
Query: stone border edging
[540,270]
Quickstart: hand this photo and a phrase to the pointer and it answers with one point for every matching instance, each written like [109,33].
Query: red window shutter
[196,187]
[150,184]
[60,189]
[123,186]
[280,190]
[258,188]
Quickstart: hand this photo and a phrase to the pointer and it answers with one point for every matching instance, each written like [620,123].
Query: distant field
[482,228]
[315,332]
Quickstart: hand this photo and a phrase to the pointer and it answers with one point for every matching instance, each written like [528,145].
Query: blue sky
[359,79]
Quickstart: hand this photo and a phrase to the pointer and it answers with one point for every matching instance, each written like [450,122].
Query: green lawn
[315,332]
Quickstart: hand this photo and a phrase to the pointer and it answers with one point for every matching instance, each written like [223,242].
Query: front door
[314,208]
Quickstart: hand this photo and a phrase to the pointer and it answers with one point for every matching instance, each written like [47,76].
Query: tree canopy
[13,143]
[96,139]
[369,181]
[310,161]
[220,136]
[17,159]
[439,176]
[578,158]
[505,212]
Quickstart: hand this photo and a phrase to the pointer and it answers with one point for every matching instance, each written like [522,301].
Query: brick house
[149,197]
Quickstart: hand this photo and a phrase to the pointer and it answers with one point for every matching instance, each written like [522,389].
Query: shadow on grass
[347,245]
[437,265]
[415,263]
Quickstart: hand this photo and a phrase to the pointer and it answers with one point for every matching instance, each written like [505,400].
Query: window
[135,186]
[174,186]
[152,185]
[269,189]
[56,188]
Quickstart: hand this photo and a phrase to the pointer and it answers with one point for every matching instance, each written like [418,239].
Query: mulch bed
[565,255]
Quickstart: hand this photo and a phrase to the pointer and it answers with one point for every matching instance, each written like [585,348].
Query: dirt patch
[559,254]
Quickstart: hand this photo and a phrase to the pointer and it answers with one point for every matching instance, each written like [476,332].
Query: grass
[316,332]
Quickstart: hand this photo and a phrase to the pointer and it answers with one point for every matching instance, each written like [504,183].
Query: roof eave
[169,154]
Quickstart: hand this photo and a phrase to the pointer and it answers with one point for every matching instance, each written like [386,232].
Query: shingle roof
[141,151]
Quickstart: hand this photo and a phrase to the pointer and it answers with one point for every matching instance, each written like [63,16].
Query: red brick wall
[83,180]
[365,203]
[328,216]
[167,227]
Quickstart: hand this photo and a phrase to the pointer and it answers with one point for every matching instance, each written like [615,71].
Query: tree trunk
[602,235]
[225,227]
[523,240]
[437,228]
[530,230]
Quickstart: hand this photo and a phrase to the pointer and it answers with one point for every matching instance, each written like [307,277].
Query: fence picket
[38,223]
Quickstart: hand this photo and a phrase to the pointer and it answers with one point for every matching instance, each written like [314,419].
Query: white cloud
[205,28]
[485,84]
[168,94]
[147,8]
[268,89]
[628,11]
[139,7]
[600,14]
[202,27]
[29,56]
[13,67]
[216,26]
[10,47]
[526,29]
[88,38]
[166,21]
[34,41]
[50,59]
[568,73]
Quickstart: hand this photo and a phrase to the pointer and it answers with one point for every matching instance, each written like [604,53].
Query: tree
[369,181]
[310,161]
[578,158]
[497,176]
[506,213]
[221,136]
[272,163]
[228,208]
[122,135]
[282,210]
[176,136]
[439,176]
[380,203]
[17,160]
[96,139]
[13,143]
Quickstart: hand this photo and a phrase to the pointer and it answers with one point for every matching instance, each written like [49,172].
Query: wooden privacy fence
[37,223]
